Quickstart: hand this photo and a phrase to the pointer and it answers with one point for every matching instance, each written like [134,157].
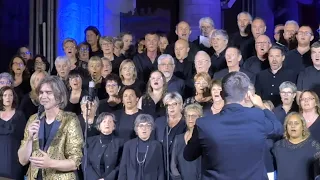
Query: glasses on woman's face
[145,126]
[307,99]
[84,50]
[5,83]
[286,93]
[18,64]
[192,116]
[112,85]
[172,104]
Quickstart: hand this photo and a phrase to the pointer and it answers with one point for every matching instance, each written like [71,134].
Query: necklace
[144,158]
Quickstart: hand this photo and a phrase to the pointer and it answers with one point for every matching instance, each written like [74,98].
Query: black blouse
[295,161]
[154,109]
[92,131]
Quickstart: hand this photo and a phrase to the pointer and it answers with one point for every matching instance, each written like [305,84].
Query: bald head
[183,30]
[181,49]
[202,62]
[262,45]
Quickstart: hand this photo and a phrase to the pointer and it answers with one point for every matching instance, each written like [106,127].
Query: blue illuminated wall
[73,16]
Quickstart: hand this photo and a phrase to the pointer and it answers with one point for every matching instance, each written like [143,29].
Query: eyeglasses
[111,85]
[19,64]
[38,63]
[286,93]
[168,65]
[191,116]
[172,105]
[307,99]
[8,83]
[201,83]
[84,49]
[25,53]
[146,126]
[296,123]
[301,33]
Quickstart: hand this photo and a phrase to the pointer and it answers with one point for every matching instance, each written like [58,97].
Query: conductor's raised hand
[256,100]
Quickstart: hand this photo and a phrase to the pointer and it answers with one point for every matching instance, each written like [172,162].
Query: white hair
[245,13]
[165,56]
[206,20]
[62,59]
[292,22]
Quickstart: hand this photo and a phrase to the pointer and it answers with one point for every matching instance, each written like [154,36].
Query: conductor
[232,143]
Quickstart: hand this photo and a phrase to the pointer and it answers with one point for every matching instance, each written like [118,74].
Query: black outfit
[255,65]
[176,84]
[137,85]
[23,88]
[223,72]
[315,130]
[125,124]
[281,113]
[267,84]
[206,106]
[297,62]
[154,109]
[194,48]
[104,156]
[28,106]
[92,131]
[75,107]
[105,106]
[209,50]
[160,134]
[295,161]
[11,134]
[98,53]
[183,70]
[180,169]
[144,66]
[218,62]
[309,80]
[246,44]
[142,160]
[116,62]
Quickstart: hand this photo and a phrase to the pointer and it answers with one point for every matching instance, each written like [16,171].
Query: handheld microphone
[40,111]
[91,90]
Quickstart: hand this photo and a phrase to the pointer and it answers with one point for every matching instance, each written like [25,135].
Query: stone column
[192,10]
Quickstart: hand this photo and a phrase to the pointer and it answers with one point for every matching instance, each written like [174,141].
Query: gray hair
[206,20]
[143,118]
[62,59]
[291,22]
[175,96]
[165,56]
[202,53]
[235,86]
[101,118]
[194,107]
[288,84]
[251,88]
[85,99]
[245,13]
[8,77]
[220,32]
[58,88]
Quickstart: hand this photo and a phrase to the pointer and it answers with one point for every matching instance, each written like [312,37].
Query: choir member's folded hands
[256,100]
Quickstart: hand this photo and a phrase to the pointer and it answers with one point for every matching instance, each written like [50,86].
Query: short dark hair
[15,101]
[277,47]
[113,77]
[44,60]
[235,86]
[136,91]
[235,47]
